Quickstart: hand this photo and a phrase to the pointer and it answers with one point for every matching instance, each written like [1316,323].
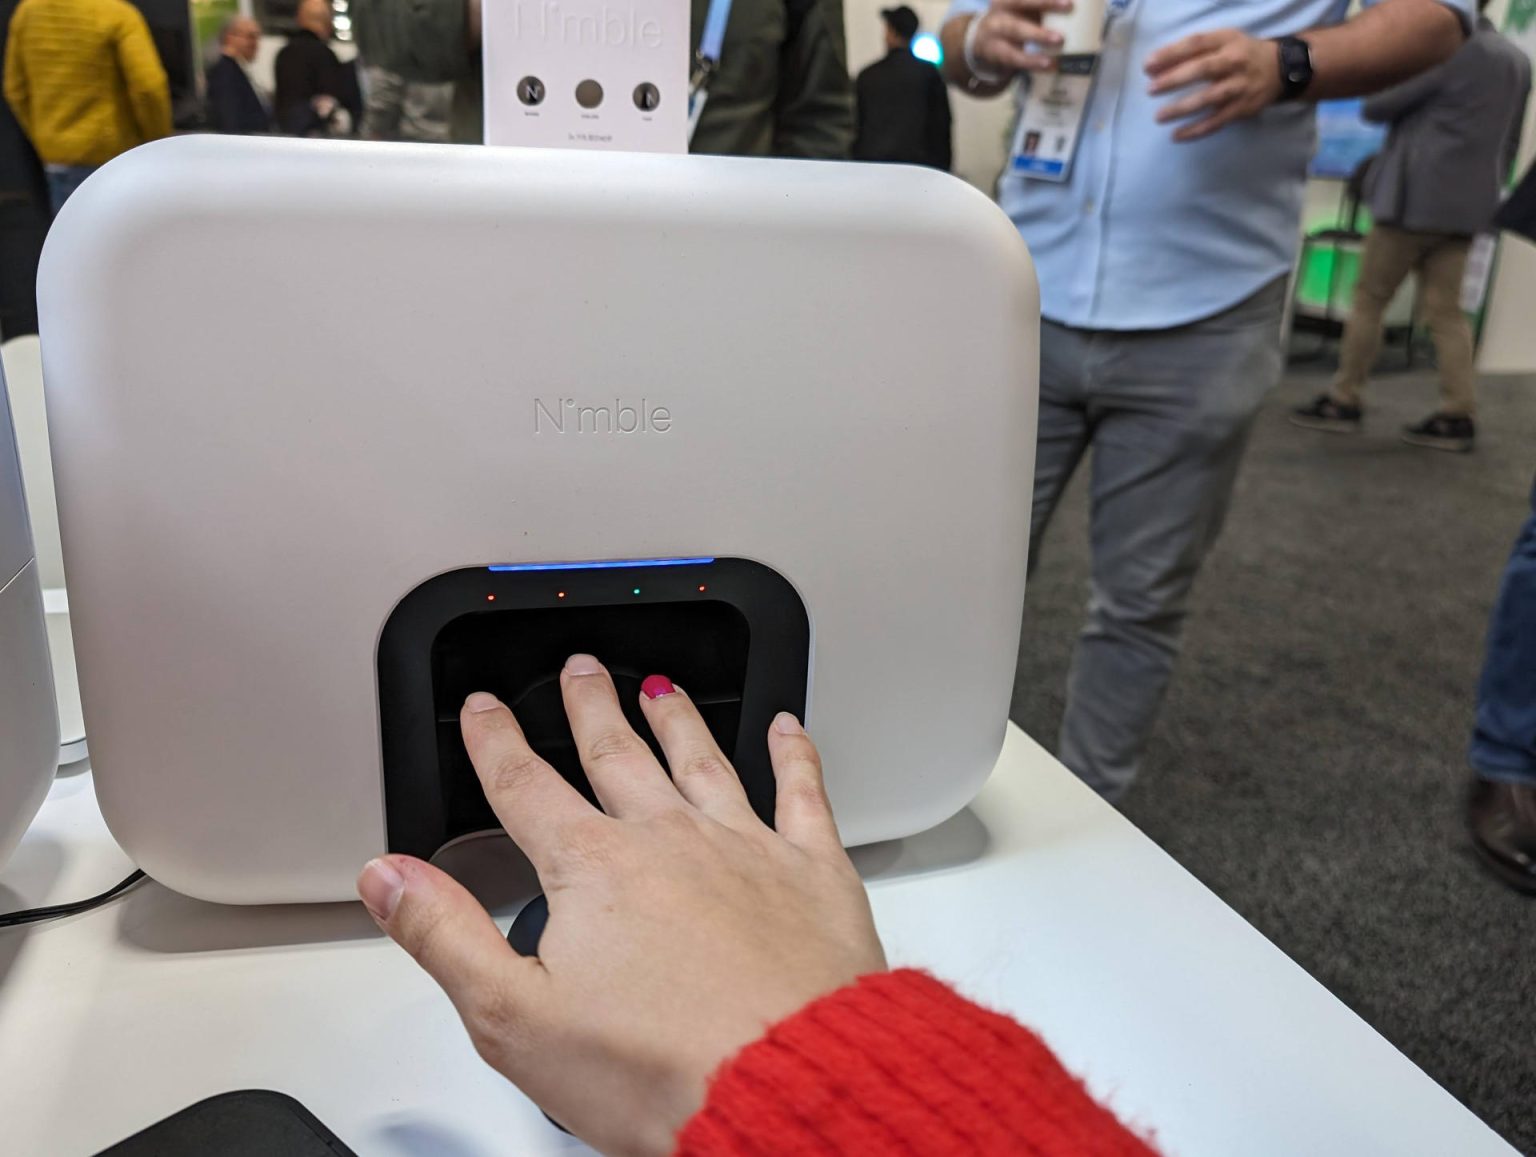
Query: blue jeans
[64,180]
[1504,741]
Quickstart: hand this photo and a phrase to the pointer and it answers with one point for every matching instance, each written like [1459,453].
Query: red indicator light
[559,594]
[490,598]
[702,589]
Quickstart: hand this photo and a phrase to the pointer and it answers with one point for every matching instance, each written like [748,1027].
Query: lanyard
[706,60]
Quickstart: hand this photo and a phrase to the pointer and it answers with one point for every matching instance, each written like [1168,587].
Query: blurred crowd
[86,81]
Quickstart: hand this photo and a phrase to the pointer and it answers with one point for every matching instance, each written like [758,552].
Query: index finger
[1172,55]
[1213,66]
[531,799]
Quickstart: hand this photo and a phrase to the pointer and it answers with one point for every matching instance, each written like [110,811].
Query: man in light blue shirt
[1163,257]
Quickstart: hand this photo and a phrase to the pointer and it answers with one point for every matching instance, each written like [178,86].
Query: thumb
[447,932]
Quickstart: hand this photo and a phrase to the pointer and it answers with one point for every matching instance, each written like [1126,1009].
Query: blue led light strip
[620,564]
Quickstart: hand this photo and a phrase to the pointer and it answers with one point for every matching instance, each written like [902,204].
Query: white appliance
[21,358]
[332,422]
[29,722]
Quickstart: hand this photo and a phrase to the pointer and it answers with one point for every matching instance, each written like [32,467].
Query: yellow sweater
[84,80]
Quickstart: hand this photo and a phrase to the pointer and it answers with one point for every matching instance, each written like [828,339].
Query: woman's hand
[680,927]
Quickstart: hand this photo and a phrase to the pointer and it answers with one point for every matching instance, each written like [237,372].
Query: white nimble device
[434,418]
[29,722]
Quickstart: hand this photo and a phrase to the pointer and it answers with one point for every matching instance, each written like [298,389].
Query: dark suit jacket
[1453,138]
[233,106]
[307,68]
[903,112]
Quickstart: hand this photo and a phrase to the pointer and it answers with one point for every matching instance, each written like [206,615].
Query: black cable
[55,911]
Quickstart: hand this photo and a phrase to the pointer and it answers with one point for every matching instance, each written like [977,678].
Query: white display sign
[588,74]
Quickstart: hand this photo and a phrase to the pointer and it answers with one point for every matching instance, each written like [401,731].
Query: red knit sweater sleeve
[899,1064]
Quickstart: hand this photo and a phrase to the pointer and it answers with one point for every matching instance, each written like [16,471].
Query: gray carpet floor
[1309,764]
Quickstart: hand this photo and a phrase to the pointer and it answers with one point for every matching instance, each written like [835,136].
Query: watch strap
[1295,66]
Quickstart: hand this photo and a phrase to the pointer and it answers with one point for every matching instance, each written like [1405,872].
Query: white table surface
[1038,899]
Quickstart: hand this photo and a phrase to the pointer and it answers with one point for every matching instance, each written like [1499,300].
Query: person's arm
[811,1082]
[349,90]
[216,96]
[296,87]
[940,125]
[149,91]
[1233,75]
[433,41]
[813,115]
[222,100]
[17,91]
[705,984]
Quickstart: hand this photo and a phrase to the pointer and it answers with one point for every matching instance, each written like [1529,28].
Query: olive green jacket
[782,88]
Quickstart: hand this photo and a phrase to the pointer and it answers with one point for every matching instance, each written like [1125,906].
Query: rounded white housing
[290,381]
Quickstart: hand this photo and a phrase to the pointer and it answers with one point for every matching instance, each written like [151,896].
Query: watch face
[1295,65]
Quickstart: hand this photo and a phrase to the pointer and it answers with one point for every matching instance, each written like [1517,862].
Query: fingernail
[655,686]
[583,665]
[481,701]
[381,887]
[786,724]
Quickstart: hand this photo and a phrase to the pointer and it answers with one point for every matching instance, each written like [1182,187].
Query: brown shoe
[1502,820]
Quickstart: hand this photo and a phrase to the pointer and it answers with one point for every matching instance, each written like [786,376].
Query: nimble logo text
[618,27]
[567,416]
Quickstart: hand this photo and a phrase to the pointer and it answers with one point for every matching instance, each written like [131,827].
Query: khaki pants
[1440,259]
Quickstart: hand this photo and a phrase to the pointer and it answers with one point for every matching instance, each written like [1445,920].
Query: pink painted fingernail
[655,686]
[481,701]
[583,665]
[381,885]
[786,724]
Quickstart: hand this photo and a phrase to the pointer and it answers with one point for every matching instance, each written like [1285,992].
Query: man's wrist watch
[1295,66]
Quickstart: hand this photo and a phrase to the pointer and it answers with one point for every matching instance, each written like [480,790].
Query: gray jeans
[1167,413]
